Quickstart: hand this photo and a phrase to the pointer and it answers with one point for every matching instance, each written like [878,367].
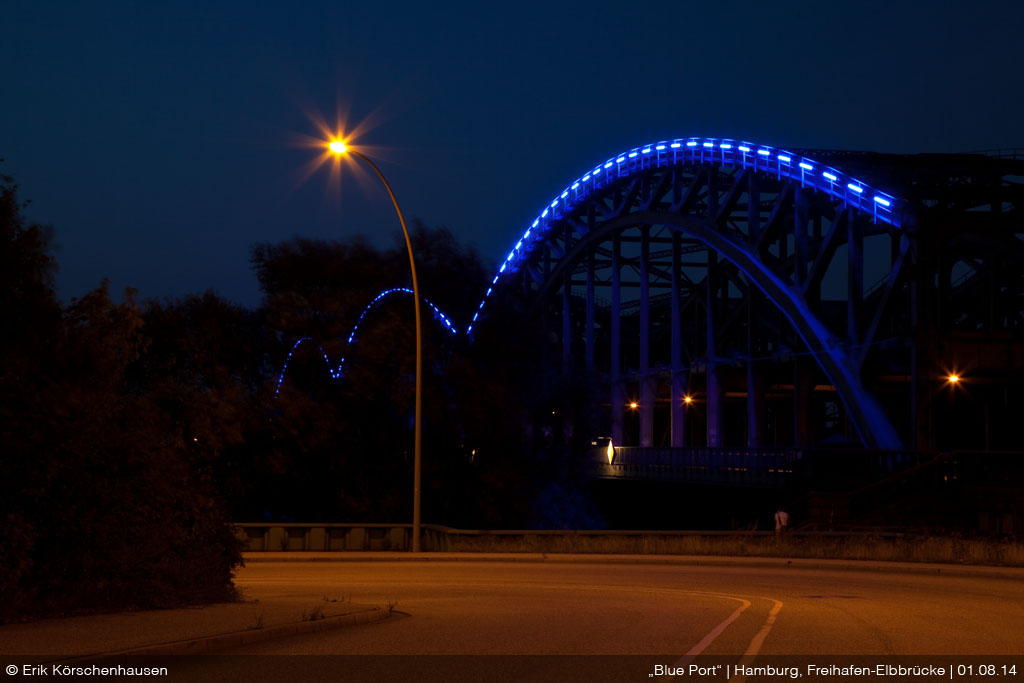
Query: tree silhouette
[102,504]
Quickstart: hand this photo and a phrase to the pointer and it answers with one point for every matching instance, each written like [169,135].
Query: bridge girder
[769,231]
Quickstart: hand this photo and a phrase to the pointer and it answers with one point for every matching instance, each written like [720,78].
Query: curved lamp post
[339,148]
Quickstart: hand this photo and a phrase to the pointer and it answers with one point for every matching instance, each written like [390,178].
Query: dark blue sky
[161,141]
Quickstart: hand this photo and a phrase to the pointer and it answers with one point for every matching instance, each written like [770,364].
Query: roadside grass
[816,545]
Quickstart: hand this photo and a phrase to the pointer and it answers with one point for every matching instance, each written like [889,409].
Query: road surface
[675,613]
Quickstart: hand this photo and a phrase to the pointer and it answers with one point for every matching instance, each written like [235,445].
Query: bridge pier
[589,335]
[755,383]
[678,381]
[647,383]
[618,397]
[713,389]
[566,323]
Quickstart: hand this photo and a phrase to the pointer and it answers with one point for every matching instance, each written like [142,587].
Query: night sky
[162,140]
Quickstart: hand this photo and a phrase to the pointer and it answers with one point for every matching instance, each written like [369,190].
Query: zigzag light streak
[338,372]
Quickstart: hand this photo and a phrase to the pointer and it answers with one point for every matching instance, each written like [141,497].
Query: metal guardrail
[342,537]
[733,466]
[831,469]
[289,536]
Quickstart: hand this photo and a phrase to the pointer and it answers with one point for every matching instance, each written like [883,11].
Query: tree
[102,505]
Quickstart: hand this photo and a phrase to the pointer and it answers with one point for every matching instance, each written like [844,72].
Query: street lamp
[338,147]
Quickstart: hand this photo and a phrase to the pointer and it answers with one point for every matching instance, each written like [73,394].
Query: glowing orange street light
[633,405]
[687,399]
[953,379]
[339,147]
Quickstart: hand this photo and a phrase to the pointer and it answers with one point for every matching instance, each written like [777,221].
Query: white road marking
[758,640]
[748,656]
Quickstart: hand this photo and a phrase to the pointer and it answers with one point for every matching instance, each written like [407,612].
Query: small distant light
[620,160]
[660,147]
[526,235]
[554,204]
[807,167]
[725,145]
[469,329]
[476,315]
[544,213]
[953,379]
[574,186]
[856,188]
[632,154]
[495,280]
[691,143]
[503,266]
[675,145]
[565,194]
[709,144]
[519,244]
[763,152]
[633,405]
[783,157]
[489,290]
[585,178]
[883,201]
[608,165]
[829,176]
[535,223]
[646,150]
[687,399]
[743,148]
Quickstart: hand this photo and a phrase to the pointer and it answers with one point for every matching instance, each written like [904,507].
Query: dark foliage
[342,451]
[103,505]
[132,435]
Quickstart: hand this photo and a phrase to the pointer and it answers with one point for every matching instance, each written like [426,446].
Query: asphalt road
[559,608]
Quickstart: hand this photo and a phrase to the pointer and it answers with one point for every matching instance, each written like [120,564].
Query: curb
[930,569]
[209,644]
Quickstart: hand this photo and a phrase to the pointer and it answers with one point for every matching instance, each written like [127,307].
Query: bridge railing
[740,466]
[821,469]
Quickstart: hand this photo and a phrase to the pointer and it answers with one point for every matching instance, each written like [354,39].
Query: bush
[102,503]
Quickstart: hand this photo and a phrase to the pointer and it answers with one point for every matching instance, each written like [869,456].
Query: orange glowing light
[330,140]
[633,405]
[687,399]
[953,379]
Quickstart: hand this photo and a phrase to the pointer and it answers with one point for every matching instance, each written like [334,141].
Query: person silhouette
[781,521]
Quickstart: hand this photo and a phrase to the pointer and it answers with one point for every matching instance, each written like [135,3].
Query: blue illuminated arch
[882,205]
[338,372]
[868,417]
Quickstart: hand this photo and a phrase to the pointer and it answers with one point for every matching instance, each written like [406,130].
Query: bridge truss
[728,293]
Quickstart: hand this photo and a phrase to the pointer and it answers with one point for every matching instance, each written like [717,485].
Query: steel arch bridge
[707,270]
[719,261]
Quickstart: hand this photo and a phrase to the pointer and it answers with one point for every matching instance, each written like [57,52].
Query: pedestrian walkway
[186,630]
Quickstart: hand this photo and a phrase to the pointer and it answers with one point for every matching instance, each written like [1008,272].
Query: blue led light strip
[727,152]
[337,373]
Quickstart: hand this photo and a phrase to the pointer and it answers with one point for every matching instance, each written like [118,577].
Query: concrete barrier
[283,536]
[851,545]
[340,537]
